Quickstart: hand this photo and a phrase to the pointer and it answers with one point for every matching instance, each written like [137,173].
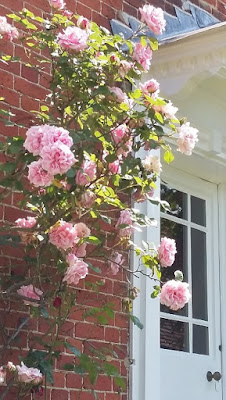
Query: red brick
[89,331]
[122,320]
[110,13]
[113,396]
[6,79]
[59,379]
[30,89]
[74,381]
[112,335]
[117,4]
[59,394]
[31,74]
[75,395]
[83,10]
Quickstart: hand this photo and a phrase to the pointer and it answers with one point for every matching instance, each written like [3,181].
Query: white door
[191,339]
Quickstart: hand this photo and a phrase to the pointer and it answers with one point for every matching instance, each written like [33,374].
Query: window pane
[200,339]
[199,274]
[198,211]
[177,201]
[179,233]
[174,335]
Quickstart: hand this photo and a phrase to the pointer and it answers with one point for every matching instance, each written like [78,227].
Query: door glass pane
[198,211]
[174,335]
[177,201]
[177,232]
[200,339]
[199,274]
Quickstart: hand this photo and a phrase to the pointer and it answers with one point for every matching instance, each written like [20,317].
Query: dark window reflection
[179,234]
[200,340]
[177,201]
[198,211]
[174,335]
[199,274]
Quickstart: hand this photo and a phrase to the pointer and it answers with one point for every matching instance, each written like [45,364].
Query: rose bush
[80,164]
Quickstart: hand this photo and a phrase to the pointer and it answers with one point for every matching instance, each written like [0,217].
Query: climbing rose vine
[82,160]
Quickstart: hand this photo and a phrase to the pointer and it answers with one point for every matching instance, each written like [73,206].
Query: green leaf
[168,156]
[14,17]
[9,167]
[93,240]
[71,173]
[73,349]
[119,381]
[153,43]
[44,108]
[95,269]
[136,321]
[44,313]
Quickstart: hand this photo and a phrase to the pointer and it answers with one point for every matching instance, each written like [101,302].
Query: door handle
[216,376]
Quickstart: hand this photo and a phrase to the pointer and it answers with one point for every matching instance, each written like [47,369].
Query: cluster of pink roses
[53,145]
[65,236]
[24,374]
[8,31]
[152,164]
[143,55]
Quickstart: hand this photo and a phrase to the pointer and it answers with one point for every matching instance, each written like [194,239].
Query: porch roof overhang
[191,69]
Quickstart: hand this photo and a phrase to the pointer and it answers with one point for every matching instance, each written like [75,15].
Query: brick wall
[22,87]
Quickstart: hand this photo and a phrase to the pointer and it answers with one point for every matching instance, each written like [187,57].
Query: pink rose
[37,176]
[28,375]
[57,158]
[67,13]
[33,142]
[175,294]
[10,366]
[115,58]
[28,222]
[125,219]
[88,173]
[63,235]
[143,56]
[168,110]
[7,31]
[187,138]
[30,292]
[2,375]
[154,18]
[116,263]
[166,252]
[83,23]
[77,270]
[124,68]
[114,167]
[58,4]
[152,164]
[80,251]
[150,87]
[73,38]
[82,230]
[119,133]
[53,134]
[121,97]
[87,199]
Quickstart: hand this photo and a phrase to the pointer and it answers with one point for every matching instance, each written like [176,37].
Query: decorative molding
[182,22]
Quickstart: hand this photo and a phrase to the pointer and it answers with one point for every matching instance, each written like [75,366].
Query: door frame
[145,344]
